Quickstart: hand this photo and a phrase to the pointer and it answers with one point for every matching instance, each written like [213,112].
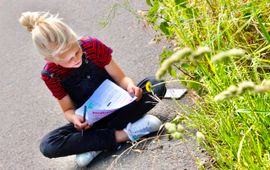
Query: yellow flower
[148,86]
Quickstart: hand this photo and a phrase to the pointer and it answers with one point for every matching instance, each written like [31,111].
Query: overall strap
[49,74]
[84,56]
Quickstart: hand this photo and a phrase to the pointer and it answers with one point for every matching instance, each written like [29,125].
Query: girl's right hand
[79,124]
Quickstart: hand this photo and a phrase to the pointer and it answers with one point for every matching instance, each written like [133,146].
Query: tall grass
[237,128]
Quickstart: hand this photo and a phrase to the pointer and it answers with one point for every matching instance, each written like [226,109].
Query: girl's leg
[67,140]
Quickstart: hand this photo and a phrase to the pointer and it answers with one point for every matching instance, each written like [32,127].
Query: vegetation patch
[220,51]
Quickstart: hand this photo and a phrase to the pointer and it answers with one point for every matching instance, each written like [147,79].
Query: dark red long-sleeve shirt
[95,50]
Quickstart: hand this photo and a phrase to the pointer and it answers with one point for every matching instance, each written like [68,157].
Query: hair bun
[31,19]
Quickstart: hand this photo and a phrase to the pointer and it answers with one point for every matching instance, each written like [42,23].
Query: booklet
[106,99]
[175,93]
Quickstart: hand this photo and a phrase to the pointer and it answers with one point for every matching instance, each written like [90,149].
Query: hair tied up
[31,19]
[49,34]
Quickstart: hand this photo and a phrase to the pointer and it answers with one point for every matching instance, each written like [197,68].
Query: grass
[237,128]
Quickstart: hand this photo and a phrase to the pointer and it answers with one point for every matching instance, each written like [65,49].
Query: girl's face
[71,58]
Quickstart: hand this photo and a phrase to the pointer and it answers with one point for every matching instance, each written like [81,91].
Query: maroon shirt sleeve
[97,52]
[53,84]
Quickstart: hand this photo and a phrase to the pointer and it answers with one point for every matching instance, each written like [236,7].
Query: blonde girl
[74,68]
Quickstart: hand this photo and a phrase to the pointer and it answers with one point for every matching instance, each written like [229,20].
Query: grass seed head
[219,97]
[226,54]
[161,71]
[245,85]
[201,51]
[224,95]
[261,89]
[180,54]
[175,58]
[266,83]
[233,90]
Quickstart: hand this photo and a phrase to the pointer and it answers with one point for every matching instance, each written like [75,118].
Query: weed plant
[236,127]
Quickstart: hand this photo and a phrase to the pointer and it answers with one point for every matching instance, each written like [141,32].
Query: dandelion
[226,54]
[148,86]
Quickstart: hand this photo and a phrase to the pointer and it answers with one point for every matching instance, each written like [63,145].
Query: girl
[74,69]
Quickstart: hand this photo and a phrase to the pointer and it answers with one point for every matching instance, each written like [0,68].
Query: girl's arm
[122,80]
[68,108]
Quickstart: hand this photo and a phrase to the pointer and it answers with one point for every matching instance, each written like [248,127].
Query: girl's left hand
[132,89]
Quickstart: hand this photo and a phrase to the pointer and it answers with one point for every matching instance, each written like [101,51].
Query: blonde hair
[50,35]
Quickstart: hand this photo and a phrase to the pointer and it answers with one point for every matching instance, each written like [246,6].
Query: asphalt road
[28,111]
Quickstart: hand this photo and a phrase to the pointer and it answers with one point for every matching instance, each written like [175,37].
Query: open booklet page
[106,99]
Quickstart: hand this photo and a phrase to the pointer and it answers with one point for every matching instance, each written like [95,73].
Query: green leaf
[188,13]
[172,72]
[152,13]
[166,53]
[181,2]
[249,111]
[246,9]
[164,28]
[149,2]
[185,65]
[263,29]
[193,86]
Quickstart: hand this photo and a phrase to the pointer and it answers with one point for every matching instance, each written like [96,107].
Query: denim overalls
[80,85]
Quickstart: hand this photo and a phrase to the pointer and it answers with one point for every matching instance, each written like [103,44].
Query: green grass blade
[264,32]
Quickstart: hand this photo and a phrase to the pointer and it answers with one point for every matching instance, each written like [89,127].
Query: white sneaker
[84,159]
[142,127]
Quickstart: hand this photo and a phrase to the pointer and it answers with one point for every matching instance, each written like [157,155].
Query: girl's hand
[79,124]
[132,89]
